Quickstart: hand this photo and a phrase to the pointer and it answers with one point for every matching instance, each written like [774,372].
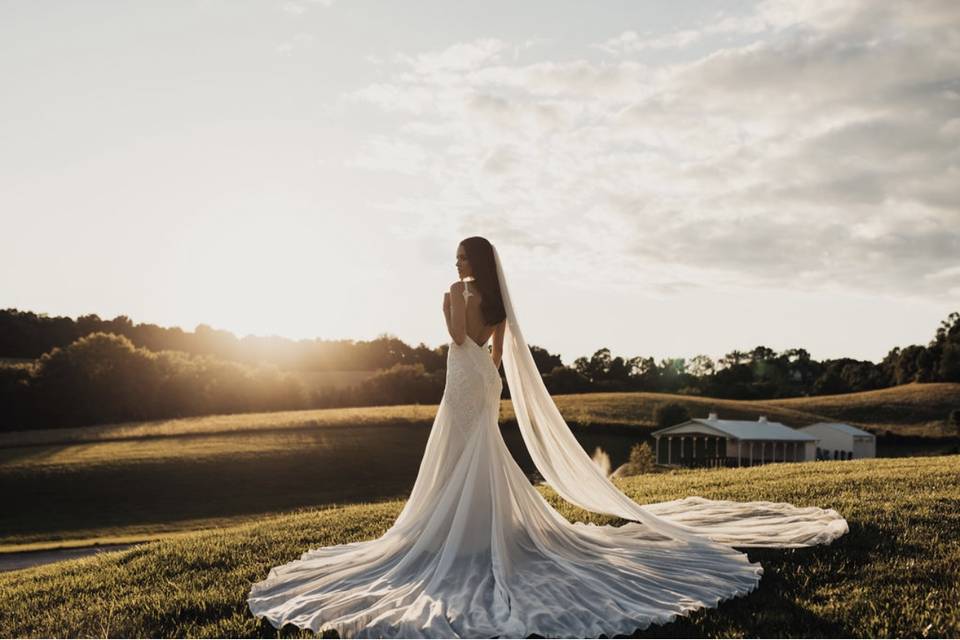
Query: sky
[661,179]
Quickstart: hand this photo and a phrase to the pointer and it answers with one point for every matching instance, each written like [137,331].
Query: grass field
[69,487]
[911,409]
[895,574]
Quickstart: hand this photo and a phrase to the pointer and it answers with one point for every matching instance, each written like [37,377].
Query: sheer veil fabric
[568,469]
[477,551]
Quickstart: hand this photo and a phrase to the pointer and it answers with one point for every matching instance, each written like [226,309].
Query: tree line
[118,371]
[24,334]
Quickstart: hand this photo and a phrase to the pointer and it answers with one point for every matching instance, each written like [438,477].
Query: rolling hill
[895,574]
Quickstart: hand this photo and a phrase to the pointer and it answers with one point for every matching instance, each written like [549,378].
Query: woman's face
[463,265]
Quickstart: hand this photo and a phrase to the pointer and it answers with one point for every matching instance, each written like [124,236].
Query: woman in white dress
[478,552]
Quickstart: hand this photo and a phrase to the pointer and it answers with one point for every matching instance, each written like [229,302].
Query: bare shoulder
[457,287]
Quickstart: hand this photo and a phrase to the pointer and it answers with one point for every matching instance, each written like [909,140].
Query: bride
[478,552]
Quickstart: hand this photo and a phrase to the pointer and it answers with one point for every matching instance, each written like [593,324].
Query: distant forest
[60,372]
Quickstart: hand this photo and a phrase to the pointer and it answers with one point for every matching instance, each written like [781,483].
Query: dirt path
[25,559]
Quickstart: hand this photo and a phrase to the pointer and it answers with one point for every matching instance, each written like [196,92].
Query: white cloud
[823,154]
[390,154]
[298,7]
[299,41]
[456,58]
[629,42]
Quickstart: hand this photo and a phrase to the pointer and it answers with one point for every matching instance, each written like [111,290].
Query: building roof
[840,426]
[746,429]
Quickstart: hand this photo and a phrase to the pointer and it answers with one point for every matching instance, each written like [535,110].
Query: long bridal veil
[477,551]
[567,468]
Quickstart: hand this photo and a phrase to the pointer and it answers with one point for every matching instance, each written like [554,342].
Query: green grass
[135,481]
[895,574]
[911,409]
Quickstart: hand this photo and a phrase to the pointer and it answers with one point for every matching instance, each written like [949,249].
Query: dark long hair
[480,254]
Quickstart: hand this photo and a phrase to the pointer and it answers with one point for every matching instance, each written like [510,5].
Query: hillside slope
[895,574]
[912,409]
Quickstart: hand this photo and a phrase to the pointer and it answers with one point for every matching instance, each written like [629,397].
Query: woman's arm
[446,309]
[498,343]
[457,316]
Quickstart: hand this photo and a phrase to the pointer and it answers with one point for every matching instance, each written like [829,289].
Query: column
[669,450]
[739,443]
[751,453]
[656,445]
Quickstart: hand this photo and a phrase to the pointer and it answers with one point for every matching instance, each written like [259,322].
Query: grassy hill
[895,574]
[134,481]
[911,409]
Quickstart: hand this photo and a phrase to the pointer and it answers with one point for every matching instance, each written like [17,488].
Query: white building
[843,438]
[711,442]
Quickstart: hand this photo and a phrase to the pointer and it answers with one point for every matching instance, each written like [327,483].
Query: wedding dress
[478,552]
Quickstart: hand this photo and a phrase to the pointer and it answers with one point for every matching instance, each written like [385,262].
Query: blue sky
[661,179]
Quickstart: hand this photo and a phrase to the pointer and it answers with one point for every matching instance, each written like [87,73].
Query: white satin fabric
[478,552]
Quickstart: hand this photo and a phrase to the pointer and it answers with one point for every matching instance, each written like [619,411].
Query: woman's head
[475,259]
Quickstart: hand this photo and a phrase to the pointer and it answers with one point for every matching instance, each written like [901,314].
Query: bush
[642,458]
[670,413]
[401,384]
[565,380]
[953,420]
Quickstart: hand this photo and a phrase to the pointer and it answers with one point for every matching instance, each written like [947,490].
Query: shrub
[642,459]
[401,384]
[670,413]
[953,420]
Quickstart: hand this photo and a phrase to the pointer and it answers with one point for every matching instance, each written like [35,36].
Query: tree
[762,353]
[701,366]
[927,364]
[801,369]
[596,367]
[565,380]
[949,369]
[830,382]
[888,366]
[907,367]
[670,413]
[545,361]
[947,342]
[644,373]
[734,358]
[672,375]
